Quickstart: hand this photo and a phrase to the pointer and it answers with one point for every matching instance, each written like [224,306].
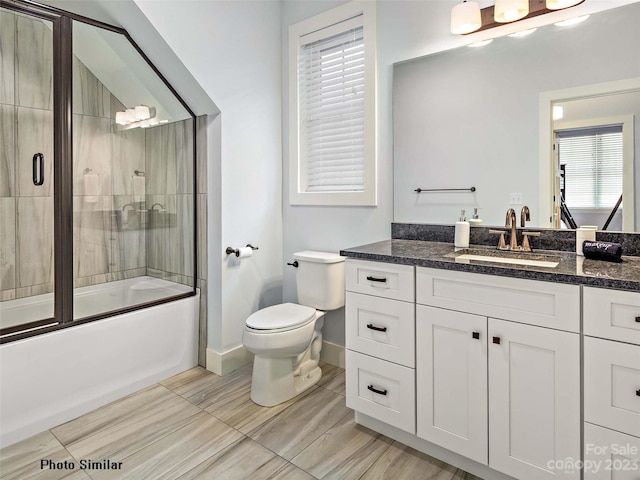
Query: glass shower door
[26,172]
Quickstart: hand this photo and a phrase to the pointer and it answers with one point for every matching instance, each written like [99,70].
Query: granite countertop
[571,268]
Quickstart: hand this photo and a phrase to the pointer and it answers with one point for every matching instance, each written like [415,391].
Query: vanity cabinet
[501,392]
[380,338]
[611,384]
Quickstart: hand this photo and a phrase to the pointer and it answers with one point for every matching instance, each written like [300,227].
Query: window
[593,161]
[332,115]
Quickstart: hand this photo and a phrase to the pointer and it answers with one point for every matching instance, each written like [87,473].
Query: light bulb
[560,4]
[510,10]
[465,18]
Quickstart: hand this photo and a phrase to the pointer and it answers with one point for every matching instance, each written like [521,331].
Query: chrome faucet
[524,215]
[511,222]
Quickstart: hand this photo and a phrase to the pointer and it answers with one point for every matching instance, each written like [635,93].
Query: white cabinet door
[612,385]
[534,398]
[610,455]
[451,381]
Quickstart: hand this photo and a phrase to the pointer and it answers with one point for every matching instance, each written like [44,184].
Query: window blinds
[593,159]
[331,83]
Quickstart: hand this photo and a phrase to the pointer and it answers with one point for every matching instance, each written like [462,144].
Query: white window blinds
[593,159]
[331,83]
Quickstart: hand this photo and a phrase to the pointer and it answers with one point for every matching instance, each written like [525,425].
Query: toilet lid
[280,316]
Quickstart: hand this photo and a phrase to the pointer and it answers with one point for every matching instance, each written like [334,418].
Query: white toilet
[286,339]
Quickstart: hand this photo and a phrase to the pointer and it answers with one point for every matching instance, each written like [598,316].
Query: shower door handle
[38,169]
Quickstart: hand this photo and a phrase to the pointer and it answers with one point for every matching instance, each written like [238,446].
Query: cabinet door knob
[377,329]
[476,335]
[638,393]
[376,279]
[375,390]
[637,319]
[496,340]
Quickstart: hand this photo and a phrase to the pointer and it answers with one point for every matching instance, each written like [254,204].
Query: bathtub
[51,378]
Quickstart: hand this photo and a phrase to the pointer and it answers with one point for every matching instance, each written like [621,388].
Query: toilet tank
[320,279]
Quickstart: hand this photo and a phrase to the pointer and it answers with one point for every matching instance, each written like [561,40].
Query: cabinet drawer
[612,385]
[380,279]
[545,304]
[610,455]
[382,390]
[381,327]
[612,314]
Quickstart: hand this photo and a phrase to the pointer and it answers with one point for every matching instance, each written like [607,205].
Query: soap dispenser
[475,221]
[461,239]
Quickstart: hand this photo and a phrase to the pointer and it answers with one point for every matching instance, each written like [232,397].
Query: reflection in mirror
[594,144]
[475,117]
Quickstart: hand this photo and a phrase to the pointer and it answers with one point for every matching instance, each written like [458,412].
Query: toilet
[286,339]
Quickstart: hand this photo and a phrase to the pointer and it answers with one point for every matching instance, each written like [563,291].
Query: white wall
[233,50]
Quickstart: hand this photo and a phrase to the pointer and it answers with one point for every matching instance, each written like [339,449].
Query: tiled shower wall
[108,245]
[102,251]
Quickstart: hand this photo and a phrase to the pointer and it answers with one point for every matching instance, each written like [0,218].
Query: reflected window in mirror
[591,173]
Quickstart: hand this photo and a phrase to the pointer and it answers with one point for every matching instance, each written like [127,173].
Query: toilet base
[273,381]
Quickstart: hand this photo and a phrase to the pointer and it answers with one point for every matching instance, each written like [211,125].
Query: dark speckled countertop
[571,267]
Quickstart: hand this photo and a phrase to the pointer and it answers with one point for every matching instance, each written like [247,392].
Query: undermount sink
[534,261]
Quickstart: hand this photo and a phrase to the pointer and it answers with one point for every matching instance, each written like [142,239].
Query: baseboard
[332,353]
[229,361]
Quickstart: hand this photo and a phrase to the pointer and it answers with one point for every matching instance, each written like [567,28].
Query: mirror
[481,117]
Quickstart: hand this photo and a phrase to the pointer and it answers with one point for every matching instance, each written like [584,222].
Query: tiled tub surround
[107,245]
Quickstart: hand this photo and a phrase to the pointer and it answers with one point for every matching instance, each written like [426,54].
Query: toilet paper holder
[236,251]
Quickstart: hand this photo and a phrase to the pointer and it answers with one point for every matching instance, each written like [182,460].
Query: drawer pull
[496,340]
[375,390]
[377,329]
[376,279]
[476,335]
[638,393]
[637,319]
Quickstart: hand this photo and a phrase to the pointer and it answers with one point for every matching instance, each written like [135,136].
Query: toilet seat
[280,318]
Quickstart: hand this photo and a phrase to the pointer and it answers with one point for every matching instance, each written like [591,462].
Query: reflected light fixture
[481,43]
[572,21]
[558,112]
[465,18]
[523,33]
[506,11]
[138,116]
[560,4]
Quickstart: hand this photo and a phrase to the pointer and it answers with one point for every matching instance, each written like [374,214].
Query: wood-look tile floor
[197,425]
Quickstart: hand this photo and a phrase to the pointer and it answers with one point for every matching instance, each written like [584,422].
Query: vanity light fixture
[465,18]
[506,11]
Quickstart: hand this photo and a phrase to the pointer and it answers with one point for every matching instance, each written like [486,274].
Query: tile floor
[197,425]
